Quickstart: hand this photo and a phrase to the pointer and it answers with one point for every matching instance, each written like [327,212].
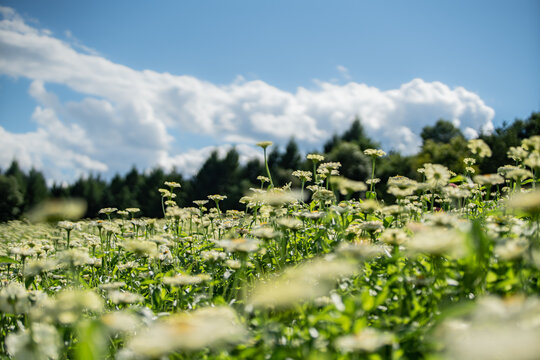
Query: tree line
[442,143]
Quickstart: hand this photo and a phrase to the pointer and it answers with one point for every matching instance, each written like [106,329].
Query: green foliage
[16,173]
[355,134]
[506,136]
[394,163]
[220,176]
[449,154]
[36,189]
[291,158]
[443,144]
[11,198]
[442,132]
[354,164]
[92,189]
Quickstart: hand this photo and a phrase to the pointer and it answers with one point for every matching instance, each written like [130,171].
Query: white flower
[14,299]
[183,279]
[295,285]
[479,147]
[264,144]
[124,297]
[437,175]
[368,340]
[438,241]
[315,157]
[121,322]
[374,153]
[496,329]
[213,327]
[40,341]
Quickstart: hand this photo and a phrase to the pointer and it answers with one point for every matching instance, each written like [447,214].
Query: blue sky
[211,74]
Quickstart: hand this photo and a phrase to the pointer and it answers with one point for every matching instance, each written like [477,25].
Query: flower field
[451,270]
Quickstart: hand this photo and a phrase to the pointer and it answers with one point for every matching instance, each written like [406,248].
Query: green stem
[163,206]
[268,169]
[372,174]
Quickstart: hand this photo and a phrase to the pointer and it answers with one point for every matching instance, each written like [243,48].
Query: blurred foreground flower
[496,329]
[438,240]
[212,327]
[184,279]
[68,306]
[362,250]
[14,299]
[39,341]
[121,322]
[347,186]
[124,297]
[306,282]
[140,247]
[528,202]
[56,210]
[368,340]
[239,245]
[479,147]
[276,197]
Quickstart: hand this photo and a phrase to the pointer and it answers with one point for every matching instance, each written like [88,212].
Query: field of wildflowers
[451,270]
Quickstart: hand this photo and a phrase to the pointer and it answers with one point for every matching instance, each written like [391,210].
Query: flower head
[479,147]
[183,279]
[315,157]
[210,327]
[264,144]
[39,341]
[172,184]
[302,175]
[437,175]
[368,340]
[217,197]
[108,210]
[296,285]
[374,153]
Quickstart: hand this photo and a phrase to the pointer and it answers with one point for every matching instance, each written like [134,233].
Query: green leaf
[368,301]
[371,195]
[7,260]
[388,220]
[92,341]
[457,178]
[149,281]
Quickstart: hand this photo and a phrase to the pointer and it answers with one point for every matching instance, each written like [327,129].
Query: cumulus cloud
[191,160]
[129,117]
[37,149]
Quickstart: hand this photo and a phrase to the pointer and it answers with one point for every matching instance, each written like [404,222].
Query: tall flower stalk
[264,145]
[373,154]
[315,158]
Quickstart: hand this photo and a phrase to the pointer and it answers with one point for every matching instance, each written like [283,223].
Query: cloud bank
[127,116]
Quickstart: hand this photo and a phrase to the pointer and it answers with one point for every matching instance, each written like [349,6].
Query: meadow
[450,270]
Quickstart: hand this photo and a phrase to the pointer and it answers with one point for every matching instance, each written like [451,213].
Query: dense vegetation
[450,270]
[442,143]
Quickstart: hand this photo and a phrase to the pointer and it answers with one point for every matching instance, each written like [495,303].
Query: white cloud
[37,149]
[77,44]
[191,160]
[344,72]
[129,117]
[470,133]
